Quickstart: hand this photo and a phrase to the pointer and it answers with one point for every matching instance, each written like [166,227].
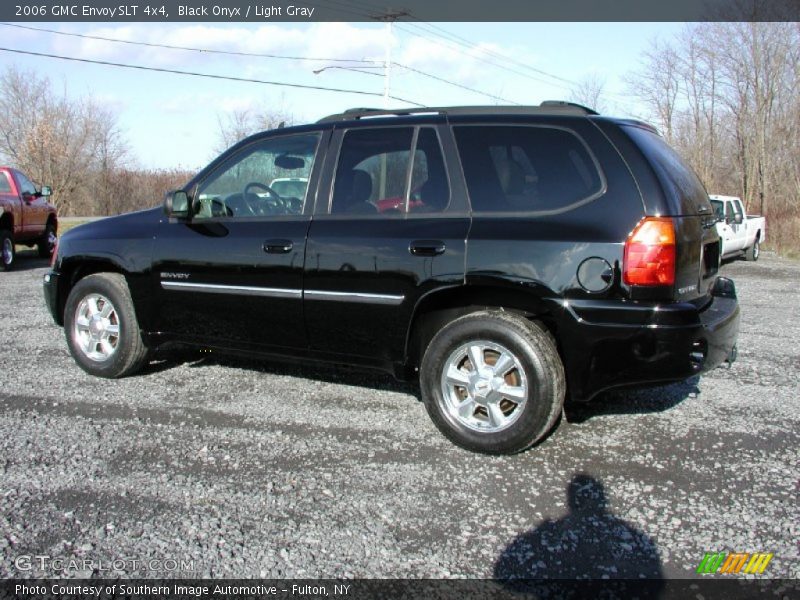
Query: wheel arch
[7,222]
[439,307]
[73,271]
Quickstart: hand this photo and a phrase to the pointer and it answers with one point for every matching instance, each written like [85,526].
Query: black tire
[537,375]
[46,244]
[7,250]
[124,353]
[753,252]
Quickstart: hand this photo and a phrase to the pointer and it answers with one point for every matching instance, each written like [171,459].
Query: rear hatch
[685,200]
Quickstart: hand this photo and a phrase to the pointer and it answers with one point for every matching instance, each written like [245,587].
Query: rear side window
[526,168]
[5,186]
[678,178]
[390,171]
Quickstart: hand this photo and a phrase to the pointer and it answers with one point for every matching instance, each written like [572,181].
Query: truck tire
[7,251]
[47,243]
[101,327]
[493,382]
[753,252]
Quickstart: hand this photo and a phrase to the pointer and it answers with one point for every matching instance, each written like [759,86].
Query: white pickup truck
[738,233]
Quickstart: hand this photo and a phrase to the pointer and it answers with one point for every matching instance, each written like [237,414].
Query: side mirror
[176,204]
[738,219]
[45,191]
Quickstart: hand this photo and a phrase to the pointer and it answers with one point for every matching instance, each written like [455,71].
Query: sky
[172,121]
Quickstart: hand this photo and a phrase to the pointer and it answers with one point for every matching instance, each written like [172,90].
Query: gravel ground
[213,467]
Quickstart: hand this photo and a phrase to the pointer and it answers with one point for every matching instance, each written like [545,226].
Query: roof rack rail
[546,107]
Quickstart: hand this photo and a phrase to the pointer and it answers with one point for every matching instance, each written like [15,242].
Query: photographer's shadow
[588,543]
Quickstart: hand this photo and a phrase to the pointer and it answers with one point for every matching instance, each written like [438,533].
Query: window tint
[372,176]
[511,169]
[430,189]
[5,186]
[268,178]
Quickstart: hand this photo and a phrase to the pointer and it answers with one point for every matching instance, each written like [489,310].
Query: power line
[461,41]
[207,75]
[484,60]
[187,48]
[458,85]
[258,55]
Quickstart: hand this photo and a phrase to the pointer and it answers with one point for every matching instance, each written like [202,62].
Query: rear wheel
[493,382]
[100,324]
[7,252]
[753,251]
[47,243]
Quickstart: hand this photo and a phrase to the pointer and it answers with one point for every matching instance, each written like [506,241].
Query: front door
[34,207]
[232,275]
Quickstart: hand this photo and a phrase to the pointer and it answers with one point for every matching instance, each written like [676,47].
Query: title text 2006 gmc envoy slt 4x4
[509,258]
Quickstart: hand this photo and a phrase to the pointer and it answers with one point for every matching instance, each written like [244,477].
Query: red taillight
[650,253]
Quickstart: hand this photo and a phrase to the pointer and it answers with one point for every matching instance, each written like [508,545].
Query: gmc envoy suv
[509,258]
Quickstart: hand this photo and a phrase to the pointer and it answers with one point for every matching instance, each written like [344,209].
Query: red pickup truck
[26,217]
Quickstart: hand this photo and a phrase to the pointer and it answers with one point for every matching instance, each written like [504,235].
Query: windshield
[290,187]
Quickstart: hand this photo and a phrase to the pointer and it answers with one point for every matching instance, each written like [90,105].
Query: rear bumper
[614,344]
[50,283]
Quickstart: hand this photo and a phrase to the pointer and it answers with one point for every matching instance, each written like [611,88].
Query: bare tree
[657,84]
[589,92]
[238,124]
[727,95]
[56,140]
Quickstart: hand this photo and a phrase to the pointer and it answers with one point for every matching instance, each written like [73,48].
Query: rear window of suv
[526,168]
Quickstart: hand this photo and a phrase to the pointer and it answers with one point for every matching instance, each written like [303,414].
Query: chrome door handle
[427,247]
[278,246]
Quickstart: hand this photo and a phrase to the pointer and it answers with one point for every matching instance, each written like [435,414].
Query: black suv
[506,257]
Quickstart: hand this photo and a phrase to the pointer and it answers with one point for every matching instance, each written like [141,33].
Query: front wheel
[753,251]
[7,252]
[101,327]
[493,382]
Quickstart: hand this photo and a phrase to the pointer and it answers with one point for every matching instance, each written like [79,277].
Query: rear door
[392,230]
[233,275]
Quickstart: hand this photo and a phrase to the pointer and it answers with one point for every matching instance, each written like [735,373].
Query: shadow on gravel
[28,260]
[628,402]
[172,356]
[589,542]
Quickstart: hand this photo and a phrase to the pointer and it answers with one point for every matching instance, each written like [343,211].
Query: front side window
[525,169]
[267,178]
[719,210]
[25,185]
[390,171]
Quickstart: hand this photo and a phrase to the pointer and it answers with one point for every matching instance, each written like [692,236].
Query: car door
[34,209]
[232,274]
[735,222]
[392,230]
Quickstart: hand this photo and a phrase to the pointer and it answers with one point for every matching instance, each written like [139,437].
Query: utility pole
[389,17]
